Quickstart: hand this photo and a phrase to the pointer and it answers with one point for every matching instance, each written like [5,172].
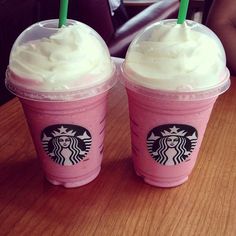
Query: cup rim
[60,96]
[171,95]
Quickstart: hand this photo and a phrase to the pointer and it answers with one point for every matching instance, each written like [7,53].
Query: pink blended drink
[62,77]
[173,75]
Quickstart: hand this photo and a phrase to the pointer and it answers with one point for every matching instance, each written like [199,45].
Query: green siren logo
[66,144]
[171,144]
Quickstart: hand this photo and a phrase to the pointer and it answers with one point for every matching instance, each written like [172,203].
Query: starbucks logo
[66,144]
[171,144]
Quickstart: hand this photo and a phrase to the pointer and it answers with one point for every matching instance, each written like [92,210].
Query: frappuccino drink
[62,77]
[173,74]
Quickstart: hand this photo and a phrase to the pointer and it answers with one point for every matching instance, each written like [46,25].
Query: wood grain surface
[118,202]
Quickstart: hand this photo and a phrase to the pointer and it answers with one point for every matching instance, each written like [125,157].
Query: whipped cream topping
[176,57]
[71,58]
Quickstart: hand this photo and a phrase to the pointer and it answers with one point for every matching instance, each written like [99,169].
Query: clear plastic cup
[168,126]
[67,127]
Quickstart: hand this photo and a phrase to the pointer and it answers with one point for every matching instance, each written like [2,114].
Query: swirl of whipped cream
[71,58]
[176,57]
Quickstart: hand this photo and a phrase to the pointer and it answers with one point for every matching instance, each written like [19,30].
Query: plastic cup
[67,127]
[167,127]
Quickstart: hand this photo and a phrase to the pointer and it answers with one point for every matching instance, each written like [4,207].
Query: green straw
[183,8]
[63,12]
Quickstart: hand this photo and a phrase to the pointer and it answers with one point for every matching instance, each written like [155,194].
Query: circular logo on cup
[171,144]
[66,144]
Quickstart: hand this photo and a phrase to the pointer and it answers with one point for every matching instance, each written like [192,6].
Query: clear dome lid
[184,62]
[51,63]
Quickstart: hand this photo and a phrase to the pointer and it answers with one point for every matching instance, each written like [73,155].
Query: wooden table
[118,202]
